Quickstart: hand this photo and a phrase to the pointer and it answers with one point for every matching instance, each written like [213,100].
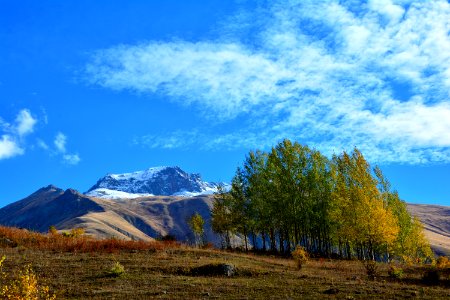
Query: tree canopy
[293,195]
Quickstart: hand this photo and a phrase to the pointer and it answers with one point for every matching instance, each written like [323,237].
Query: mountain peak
[51,187]
[163,180]
[71,192]
[48,189]
[142,175]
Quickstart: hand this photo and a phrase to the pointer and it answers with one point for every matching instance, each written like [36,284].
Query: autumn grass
[73,242]
[164,272]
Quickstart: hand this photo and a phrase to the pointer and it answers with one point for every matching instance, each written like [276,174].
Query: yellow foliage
[359,210]
[443,262]
[52,230]
[24,287]
[300,256]
[76,232]
[415,246]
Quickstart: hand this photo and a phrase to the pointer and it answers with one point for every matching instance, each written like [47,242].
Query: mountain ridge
[144,218]
[155,181]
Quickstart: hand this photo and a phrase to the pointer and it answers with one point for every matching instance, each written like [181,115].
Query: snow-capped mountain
[160,181]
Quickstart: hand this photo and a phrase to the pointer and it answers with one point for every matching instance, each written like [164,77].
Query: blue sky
[95,87]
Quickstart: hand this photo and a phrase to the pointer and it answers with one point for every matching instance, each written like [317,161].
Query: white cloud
[60,142]
[60,145]
[13,142]
[9,147]
[324,73]
[25,122]
[204,73]
[71,159]
[386,7]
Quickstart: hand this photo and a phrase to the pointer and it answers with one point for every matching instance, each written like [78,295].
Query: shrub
[116,270]
[25,286]
[395,272]
[443,262]
[74,233]
[77,243]
[52,230]
[300,256]
[371,268]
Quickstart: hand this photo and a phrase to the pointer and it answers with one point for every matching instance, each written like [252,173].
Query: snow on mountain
[113,194]
[161,181]
[139,175]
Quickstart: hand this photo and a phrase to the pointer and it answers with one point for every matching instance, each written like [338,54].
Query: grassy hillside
[161,270]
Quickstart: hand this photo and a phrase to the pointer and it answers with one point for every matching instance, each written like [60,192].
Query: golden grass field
[163,272]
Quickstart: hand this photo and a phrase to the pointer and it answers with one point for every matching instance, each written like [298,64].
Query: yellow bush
[52,230]
[443,262]
[24,287]
[76,232]
[300,256]
[116,270]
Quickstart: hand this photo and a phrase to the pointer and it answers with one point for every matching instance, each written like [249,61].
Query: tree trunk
[263,234]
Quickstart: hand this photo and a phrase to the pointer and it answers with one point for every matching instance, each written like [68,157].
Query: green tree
[197,223]
[221,217]
[240,206]
[260,198]
[294,196]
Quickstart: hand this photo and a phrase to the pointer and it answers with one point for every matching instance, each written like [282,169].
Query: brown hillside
[436,220]
[141,219]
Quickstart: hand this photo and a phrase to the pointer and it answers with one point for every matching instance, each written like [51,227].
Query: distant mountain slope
[436,220]
[47,206]
[161,181]
[140,218]
[42,196]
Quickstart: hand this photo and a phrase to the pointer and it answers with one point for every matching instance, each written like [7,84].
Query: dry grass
[163,272]
[14,237]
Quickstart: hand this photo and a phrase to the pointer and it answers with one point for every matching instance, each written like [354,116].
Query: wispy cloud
[60,145]
[331,74]
[41,144]
[60,142]
[25,122]
[71,159]
[13,141]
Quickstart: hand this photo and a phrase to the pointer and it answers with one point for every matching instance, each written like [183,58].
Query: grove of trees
[294,195]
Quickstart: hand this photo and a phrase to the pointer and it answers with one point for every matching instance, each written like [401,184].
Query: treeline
[294,195]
